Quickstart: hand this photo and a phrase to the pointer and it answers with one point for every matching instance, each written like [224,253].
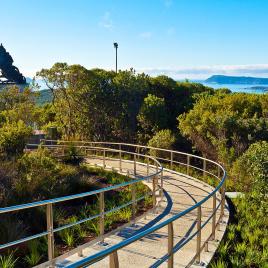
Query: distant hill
[224,79]
[45,96]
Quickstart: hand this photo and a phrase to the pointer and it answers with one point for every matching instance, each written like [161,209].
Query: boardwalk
[180,193]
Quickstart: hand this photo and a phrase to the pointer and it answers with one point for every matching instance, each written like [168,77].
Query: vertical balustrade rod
[101,223]
[219,172]
[138,153]
[148,165]
[135,165]
[114,263]
[171,160]
[170,245]
[103,159]
[134,204]
[156,178]
[50,236]
[154,188]
[222,200]
[214,218]
[204,167]
[162,184]
[198,238]
[188,164]
[120,158]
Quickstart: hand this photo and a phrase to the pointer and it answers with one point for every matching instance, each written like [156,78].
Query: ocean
[247,88]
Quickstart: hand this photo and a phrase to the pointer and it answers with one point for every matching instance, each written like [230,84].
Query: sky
[180,38]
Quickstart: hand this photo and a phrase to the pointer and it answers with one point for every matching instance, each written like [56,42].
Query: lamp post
[116,46]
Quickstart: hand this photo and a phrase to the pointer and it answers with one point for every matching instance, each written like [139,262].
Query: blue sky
[180,38]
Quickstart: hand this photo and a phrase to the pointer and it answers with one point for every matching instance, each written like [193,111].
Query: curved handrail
[109,251]
[104,147]
[50,202]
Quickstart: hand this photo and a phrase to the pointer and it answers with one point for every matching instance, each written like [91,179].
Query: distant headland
[224,79]
[9,74]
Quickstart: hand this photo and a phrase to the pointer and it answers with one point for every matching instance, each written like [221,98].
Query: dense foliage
[22,182]
[246,242]
[101,105]
[222,126]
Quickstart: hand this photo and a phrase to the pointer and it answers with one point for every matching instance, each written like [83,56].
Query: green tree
[164,139]
[18,104]
[222,126]
[13,138]
[250,170]
[152,116]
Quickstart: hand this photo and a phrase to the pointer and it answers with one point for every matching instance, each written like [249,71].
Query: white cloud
[202,72]
[146,35]
[106,21]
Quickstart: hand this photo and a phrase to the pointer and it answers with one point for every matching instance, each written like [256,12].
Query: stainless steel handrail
[48,203]
[112,251]
[104,147]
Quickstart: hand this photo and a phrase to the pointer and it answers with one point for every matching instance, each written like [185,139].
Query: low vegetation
[246,241]
[25,183]
[100,105]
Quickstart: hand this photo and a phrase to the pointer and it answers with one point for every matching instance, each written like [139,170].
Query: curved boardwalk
[180,192]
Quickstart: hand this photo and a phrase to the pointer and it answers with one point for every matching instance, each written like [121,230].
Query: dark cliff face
[8,71]
[224,79]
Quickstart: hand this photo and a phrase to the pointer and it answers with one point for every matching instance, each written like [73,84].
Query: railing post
[204,167]
[135,165]
[170,245]
[156,179]
[148,165]
[134,204]
[138,153]
[214,218]
[50,236]
[188,164]
[120,158]
[114,260]
[171,159]
[219,172]
[162,184]
[154,188]
[198,238]
[101,223]
[104,159]
[222,200]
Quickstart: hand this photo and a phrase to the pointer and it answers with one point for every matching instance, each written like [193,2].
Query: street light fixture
[116,47]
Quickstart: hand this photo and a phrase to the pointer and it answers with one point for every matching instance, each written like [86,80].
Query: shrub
[153,115]
[13,138]
[35,184]
[68,236]
[34,256]
[72,155]
[164,139]
[251,169]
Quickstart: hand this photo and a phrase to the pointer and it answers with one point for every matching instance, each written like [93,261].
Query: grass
[8,261]
[34,256]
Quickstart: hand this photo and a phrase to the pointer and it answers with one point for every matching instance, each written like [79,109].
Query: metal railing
[142,155]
